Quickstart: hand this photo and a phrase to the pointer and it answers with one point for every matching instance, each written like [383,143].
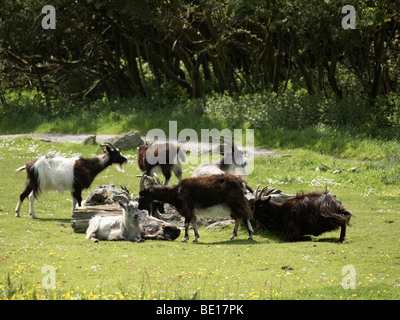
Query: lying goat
[163,157]
[192,194]
[62,174]
[233,161]
[113,228]
[312,213]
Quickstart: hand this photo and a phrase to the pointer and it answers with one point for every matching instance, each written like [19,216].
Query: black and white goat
[304,214]
[65,174]
[233,161]
[190,195]
[113,228]
[161,158]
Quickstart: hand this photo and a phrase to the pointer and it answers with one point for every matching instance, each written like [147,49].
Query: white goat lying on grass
[112,228]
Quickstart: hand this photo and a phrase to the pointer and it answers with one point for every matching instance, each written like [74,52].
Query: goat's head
[264,209]
[232,155]
[146,196]
[130,206]
[114,155]
[143,148]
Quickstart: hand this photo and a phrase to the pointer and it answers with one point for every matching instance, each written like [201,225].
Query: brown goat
[165,157]
[198,193]
[304,214]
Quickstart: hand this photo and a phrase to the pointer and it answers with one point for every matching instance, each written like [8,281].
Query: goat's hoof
[17,215]
[184,240]
[195,240]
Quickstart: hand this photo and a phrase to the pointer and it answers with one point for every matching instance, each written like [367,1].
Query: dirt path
[101,138]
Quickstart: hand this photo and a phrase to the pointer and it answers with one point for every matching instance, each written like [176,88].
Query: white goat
[233,162]
[112,228]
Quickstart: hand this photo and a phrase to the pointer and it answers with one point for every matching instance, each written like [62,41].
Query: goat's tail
[20,169]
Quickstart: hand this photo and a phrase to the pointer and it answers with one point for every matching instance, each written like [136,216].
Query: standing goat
[233,161]
[113,228]
[164,158]
[63,174]
[224,191]
[304,214]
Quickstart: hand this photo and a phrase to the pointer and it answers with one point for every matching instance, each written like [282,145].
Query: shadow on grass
[278,237]
[60,220]
[231,242]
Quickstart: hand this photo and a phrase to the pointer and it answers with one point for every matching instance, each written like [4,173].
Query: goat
[112,228]
[233,161]
[193,194]
[57,173]
[165,157]
[304,214]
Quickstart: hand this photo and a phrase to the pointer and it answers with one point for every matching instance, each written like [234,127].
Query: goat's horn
[256,193]
[125,189]
[157,178]
[150,179]
[228,141]
[266,193]
[105,144]
[141,184]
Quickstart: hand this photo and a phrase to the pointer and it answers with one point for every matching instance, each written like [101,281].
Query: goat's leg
[22,197]
[31,200]
[235,229]
[166,170]
[93,238]
[250,229]
[73,203]
[342,233]
[187,223]
[196,232]
[178,171]
[76,198]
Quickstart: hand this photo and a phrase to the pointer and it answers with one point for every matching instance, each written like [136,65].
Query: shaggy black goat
[191,194]
[305,214]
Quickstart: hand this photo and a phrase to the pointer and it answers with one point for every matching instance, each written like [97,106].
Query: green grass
[215,268]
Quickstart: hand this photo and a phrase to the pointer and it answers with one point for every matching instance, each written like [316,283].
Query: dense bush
[296,109]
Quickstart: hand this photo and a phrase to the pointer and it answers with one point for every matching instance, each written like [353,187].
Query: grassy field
[367,180]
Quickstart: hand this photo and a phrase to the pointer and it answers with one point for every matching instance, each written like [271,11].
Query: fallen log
[102,202]
[152,228]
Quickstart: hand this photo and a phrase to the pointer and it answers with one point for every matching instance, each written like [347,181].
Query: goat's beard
[119,167]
